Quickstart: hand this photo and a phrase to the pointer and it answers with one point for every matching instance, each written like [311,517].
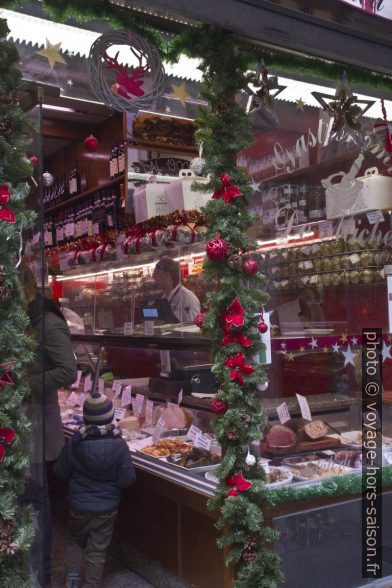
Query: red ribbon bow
[239,338]
[234,317]
[237,484]
[5,213]
[238,367]
[227,192]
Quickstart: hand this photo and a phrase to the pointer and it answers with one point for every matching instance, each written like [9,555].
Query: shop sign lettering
[376,7]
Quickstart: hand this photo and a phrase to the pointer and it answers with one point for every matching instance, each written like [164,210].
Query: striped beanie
[98,410]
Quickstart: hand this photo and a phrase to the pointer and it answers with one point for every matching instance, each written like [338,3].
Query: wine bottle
[74,181]
[121,158]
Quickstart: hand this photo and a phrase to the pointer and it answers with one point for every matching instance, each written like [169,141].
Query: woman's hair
[166,264]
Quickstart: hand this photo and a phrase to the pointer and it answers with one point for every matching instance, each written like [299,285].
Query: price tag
[375,217]
[283,413]
[149,412]
[305,279]
[149,328]
[116,387]
[76,384]
[308,264]
[119,413]
[126,396]
[84,226]
[301,265]
[139,403]
[69,230]
[325,230]
[180,396]
[354,258]
[101,386]
[159,428]
[95,228]
[88,383]
[304,406]
[193,431]
[128,328]
[313,279]
[203,441]
[381,273]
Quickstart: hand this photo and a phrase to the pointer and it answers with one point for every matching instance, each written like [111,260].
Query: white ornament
[197,165]
[47,179]
[262,387]
[250,459]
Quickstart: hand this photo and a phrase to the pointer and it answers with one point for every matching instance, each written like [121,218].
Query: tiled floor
[116,575]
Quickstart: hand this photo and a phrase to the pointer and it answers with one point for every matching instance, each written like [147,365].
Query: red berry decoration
[199,319]
[251,266]
[216,249]
[91,143]
[225,179]
[34,160]
[262,326]
[218,406]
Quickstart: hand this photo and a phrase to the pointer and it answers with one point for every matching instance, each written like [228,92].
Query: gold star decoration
[179,92]
[299,104]
[290,356]
[302,349]
[343,338]
[52,53]
[325,349]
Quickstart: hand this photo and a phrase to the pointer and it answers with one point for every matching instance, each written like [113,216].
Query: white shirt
[184,304]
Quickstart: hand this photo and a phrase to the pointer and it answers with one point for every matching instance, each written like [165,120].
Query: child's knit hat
[98,410]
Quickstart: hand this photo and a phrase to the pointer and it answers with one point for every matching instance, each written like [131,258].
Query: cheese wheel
[130,423]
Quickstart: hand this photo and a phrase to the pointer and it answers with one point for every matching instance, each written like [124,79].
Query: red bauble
[7,435]
[199,319]
[251,266]
[34,160]
[5,194]
[262,326]
[2,453]
[216,249]
[91,143]
[218,406]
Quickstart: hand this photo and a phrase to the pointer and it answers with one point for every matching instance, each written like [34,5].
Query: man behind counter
[184,303]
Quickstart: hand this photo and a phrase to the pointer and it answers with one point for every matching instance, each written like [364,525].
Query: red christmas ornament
[262,326]
[216,249]
[7,435]
[5,194]
[218,406]
[237,484]
[91,143]
[34,160]
[199,319]
[250,266]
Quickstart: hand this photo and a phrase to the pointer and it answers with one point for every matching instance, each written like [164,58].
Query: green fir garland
[224,129]
[16,528]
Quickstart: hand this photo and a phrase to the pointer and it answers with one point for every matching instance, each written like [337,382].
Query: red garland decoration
[228,192]
[251,266]
[199,319]
[218,406]
[6,214]
[234,317]
[237,484]
[238,367]
[91,143]
[216,249]
[239,338]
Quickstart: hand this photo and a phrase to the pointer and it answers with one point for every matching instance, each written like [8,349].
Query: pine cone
[250,547]
[245,419]
[250,557]
[232,434]
[5,127]
[235,261]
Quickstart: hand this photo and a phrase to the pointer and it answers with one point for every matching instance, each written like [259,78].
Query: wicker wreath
[130,92]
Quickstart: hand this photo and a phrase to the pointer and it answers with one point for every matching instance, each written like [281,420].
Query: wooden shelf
[152,146]
[83,195]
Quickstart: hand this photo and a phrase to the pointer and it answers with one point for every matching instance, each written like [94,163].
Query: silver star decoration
[167,109]
[283,345]
[70,83]
[313,343]
[255,104]
[255,186]
[354,341]
[335,348]
[386,351]
[349,356]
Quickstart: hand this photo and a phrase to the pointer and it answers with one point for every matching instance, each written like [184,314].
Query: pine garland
[225,129]
[16,526]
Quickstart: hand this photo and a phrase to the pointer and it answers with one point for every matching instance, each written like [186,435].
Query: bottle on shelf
[302,204]
[317,204]
[121,158]
[74,181]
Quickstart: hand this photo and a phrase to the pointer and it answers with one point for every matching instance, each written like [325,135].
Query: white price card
[116,388]
[149,413]
[375,217]
[76,384]
[354,258]
[88,383]
[283,413]
[119,413]
[128,328]
[203,441]
[149,328]
[304,406]
[325,230]
[193,431]
[101,386]
[314,279]
[138,403]
[308,264]
[126,396]
[159,428]
[180,396]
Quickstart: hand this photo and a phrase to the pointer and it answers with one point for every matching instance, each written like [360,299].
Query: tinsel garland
[241,495]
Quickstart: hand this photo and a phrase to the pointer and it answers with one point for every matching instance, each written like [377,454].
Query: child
[98,464]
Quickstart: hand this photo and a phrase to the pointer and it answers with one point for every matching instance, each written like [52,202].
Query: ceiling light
[59,108]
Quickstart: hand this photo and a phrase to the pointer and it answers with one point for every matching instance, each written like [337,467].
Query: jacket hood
[96,456]
[40,305]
